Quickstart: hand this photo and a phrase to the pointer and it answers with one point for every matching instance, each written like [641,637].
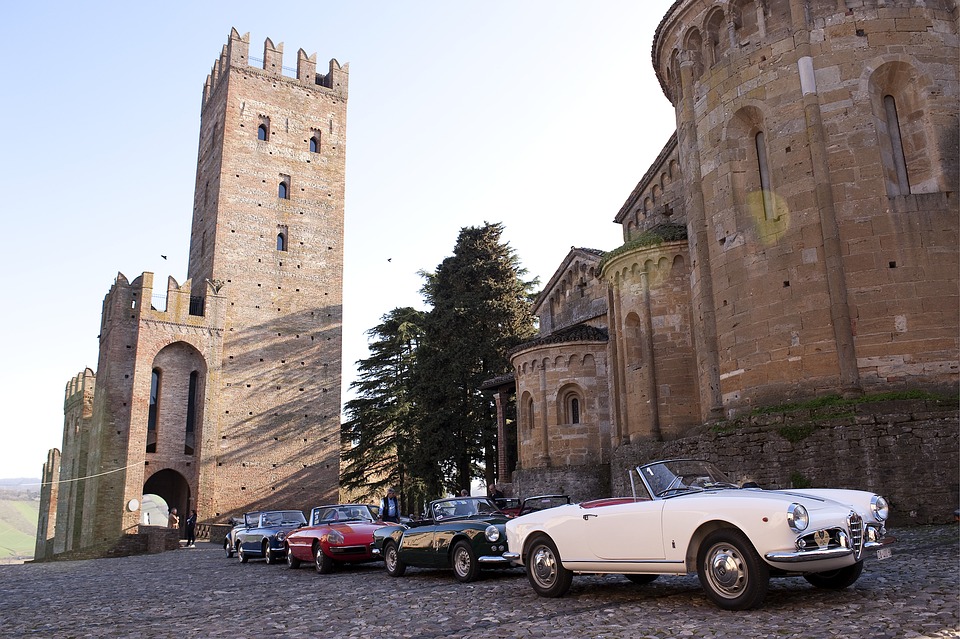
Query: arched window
[528,417]
[190,435]
[315,143]
[718,39]
[572,407]
[281,242]
[153,414]
[262,133]
[764,169]
[283,192]
[896,144]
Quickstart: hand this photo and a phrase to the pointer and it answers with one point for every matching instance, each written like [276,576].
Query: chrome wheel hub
[544,566]
[726,570]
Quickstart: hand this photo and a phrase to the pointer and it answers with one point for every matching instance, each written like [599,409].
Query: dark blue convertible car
[262,534]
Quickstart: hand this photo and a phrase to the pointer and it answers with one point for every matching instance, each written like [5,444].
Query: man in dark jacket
[390,507]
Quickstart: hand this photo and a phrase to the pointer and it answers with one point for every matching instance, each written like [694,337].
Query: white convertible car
[686,516]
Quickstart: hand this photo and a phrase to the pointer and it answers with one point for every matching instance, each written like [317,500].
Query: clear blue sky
[540,114]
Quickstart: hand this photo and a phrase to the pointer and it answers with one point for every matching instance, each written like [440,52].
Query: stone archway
[172,490]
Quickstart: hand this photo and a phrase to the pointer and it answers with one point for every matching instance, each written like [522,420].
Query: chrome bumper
[511,556]
[493,559]
[827,553]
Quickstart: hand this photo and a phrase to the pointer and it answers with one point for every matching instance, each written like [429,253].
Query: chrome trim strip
[493,559]
[808,555]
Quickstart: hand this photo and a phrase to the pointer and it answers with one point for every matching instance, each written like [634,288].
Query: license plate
[885,553]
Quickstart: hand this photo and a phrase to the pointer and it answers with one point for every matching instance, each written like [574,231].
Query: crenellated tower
[268,232]
[222,394]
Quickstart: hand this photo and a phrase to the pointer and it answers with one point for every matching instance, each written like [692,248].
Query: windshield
[466,507]
[533,504]
[282,518]
[343,513]
[668,478]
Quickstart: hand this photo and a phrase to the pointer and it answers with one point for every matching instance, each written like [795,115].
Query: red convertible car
[337,534]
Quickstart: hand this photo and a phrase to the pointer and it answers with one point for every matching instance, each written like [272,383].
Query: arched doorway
[165,489]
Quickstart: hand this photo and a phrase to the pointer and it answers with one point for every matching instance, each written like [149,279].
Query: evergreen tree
[480,310]
[376,439]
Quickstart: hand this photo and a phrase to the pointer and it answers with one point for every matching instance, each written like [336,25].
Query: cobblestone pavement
[200,593]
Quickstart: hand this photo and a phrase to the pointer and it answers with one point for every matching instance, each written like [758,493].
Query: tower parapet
[236,54]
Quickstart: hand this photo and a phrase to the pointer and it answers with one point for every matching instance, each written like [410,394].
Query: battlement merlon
[236,53]
[81,384]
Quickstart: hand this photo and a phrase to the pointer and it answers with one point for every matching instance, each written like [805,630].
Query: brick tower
[268,235]
[223,394]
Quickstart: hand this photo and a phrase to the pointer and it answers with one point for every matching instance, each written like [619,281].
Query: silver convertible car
[686,516]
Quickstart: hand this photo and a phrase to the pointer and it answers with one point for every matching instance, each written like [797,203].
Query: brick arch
[180,405]
[173,489]
[693,45]
[717,40]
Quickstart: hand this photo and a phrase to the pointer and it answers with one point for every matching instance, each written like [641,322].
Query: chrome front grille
[855,524]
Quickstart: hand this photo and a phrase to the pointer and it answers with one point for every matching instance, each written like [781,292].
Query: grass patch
[797,480]
[657,235]
[18,527]
[794,433]
[836,401]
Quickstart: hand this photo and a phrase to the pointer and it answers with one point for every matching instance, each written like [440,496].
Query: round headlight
[492,533]
[797,517]
[880,508]
[281,536]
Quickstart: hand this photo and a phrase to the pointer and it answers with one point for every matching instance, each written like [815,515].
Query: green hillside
[18,527]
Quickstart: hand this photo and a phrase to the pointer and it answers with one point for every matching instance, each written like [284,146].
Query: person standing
[174,520]
[192,529]
[494,492]
[390,507]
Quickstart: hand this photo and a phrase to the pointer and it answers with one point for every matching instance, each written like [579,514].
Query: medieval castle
[797,236]
[223,393]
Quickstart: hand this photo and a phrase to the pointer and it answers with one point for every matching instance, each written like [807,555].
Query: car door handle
[588,516]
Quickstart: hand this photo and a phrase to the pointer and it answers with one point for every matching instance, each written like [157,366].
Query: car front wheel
[292,561]
[228,548]
[464,562]
[391,559]
[324,563]
[267,554]
[546,574]
[731,572]
[242,555]
[836,579]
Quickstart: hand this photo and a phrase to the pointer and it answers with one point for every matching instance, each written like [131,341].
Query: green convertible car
[461,533]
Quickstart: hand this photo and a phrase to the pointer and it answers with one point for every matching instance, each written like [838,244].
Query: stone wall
[906,450]
[579,482]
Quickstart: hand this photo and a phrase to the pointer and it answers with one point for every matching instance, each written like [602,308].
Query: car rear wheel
[267,554]
[228,548]
[546,574]
[641,579]
[242,555]
[731,572]
[836,579]
[324,563]
[464,562]
[292,561]
[391,559]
